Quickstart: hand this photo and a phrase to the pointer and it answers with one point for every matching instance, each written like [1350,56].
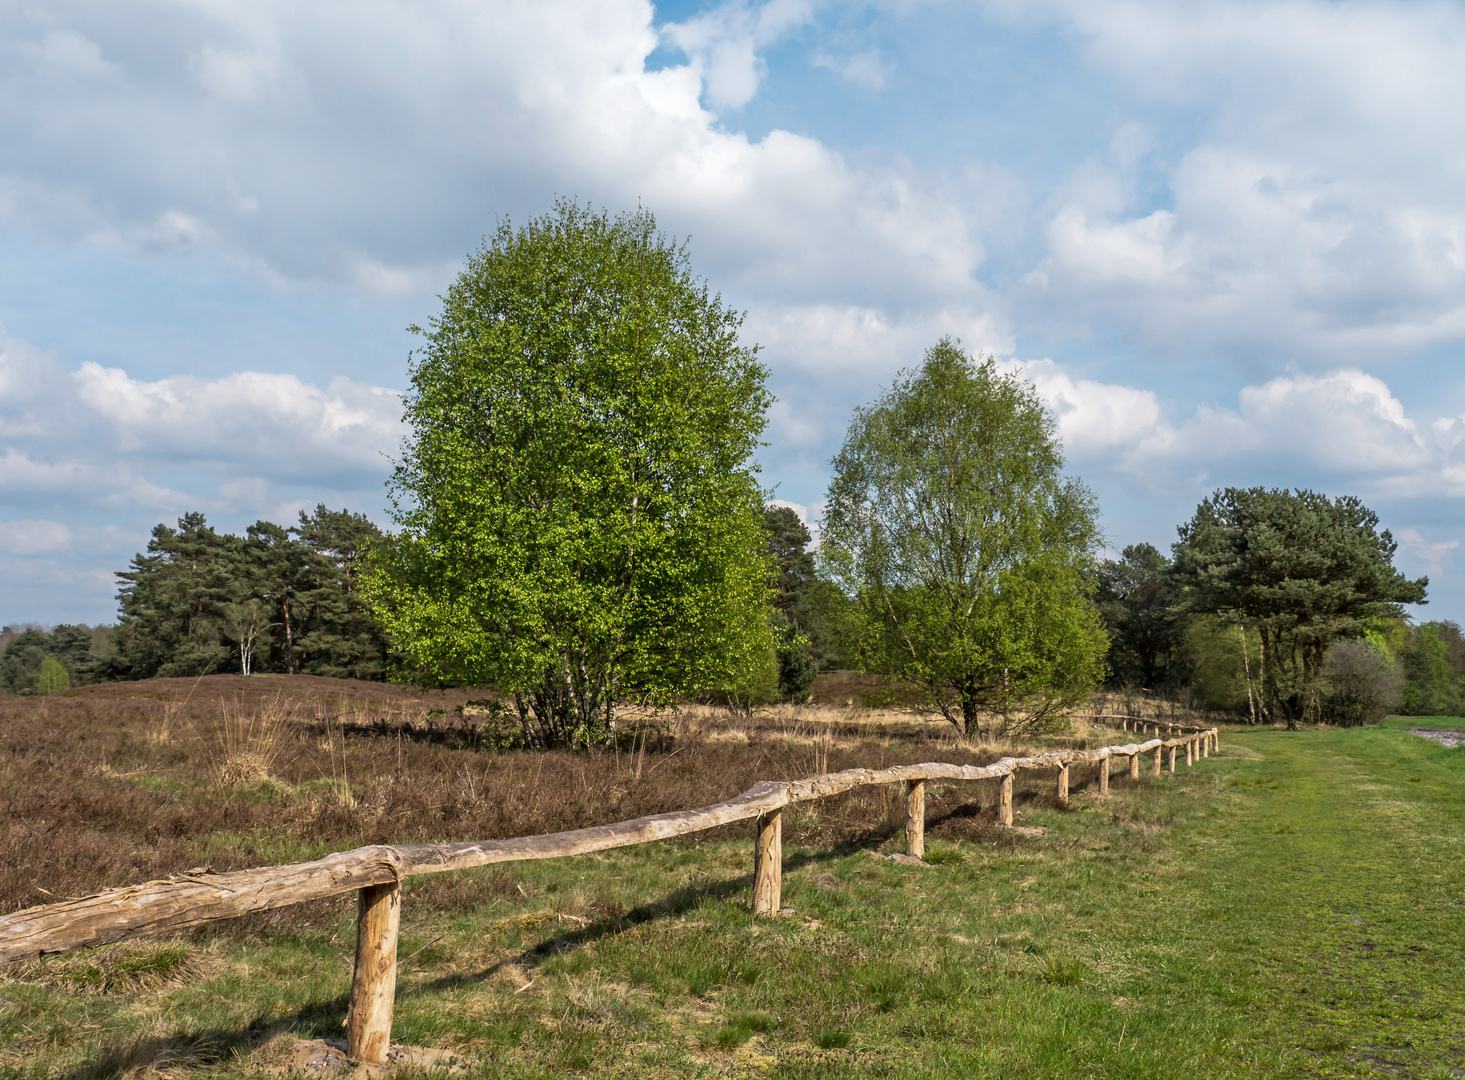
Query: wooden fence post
[1134,765]
[1189,752]
[1155,765]
[1205,745]
[1170,758]
[1004,800]
[1063,784]
[915,818]
[1104,775]
[768,864]
[374,984]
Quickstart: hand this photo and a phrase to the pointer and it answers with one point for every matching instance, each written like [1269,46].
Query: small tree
[580,518]
[52,678]
[971,556]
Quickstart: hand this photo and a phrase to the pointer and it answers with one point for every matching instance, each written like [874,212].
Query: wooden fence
[375,873]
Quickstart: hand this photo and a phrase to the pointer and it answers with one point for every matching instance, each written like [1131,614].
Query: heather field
[1288,907]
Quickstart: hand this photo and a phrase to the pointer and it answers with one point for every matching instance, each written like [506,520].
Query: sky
[1225,241]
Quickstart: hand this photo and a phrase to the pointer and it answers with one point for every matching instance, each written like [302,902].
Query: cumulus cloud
[98,437]
[33,537]
[1341,430]
[278,135]
[1317,215]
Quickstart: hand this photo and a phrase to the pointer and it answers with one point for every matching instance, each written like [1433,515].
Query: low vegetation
[1289,907]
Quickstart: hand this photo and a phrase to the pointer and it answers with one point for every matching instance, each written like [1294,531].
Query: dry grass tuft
[124,968]
[251,740]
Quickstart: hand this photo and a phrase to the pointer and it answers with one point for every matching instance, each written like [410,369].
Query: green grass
[1291,907]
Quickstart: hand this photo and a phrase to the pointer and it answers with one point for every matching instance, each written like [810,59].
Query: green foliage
[1432,656]
[52,677]
[580,517]
[199,601]
[59,658]
[806,602]
[1139,599]
[796,667]
[1221,661]
[1300,570]
[971,556]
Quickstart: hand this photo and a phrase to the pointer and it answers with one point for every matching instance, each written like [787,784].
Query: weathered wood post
[374,984]
[1104,775]
[915,818]
[1205,745]
[768,864]
[1063,784]
[1134,765]
[1189,752]
[1004,800]
[1155,765]
[1170,758]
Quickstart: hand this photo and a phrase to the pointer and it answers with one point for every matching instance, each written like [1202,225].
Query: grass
[1290,907]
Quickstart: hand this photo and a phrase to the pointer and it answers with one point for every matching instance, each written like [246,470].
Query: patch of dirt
[327,1057]
[1454,739]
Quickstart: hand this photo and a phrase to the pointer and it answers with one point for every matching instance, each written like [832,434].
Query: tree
[52,677]
[172,601]
[970,555]
[342,636]
[580,518]
[1138,598]
[1299,569]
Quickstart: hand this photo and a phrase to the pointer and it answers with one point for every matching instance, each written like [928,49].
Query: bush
[1363,684]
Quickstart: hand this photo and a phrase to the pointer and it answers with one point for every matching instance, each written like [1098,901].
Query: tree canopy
[1299,569]
[199,601]
[971,556]
[580,516]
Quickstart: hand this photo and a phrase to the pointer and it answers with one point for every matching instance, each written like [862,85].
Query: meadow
[1288,907]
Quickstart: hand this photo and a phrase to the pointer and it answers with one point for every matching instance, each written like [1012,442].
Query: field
[1289,907]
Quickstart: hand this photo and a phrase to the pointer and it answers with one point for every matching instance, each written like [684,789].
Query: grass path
[1336,900]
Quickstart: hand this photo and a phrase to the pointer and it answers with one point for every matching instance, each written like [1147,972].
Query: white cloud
[866,68]
[33,537]
[1319,214]
[1342,430]
[1434,556]
[373,143]
[247,418]
[723,44]
[97,437]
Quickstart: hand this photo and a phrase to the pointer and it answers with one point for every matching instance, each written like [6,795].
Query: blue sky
[1225,241]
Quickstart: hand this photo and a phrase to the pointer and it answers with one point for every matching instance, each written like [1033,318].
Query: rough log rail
[375,873]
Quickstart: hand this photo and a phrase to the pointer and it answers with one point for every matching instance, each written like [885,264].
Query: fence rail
[375,873]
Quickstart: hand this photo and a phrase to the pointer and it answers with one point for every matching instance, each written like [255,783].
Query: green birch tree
[970,555]
[580,519]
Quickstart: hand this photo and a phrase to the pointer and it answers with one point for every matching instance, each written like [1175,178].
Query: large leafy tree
[969,552]
[1299,569]
[580,519]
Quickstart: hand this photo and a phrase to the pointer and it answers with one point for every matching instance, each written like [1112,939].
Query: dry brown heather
[109,785]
